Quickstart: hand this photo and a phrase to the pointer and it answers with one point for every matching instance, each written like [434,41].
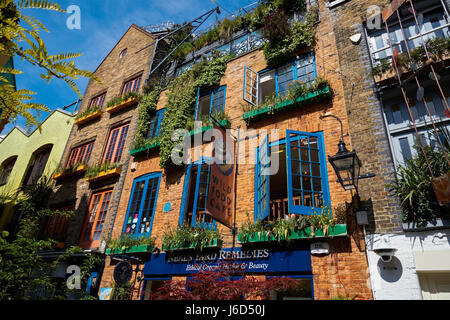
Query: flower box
[215,243]
[122,105]
[311,97]
[224,123]
[61,175]
[105,174]
[133,249]
[146,149]
[89,117]
[338,230]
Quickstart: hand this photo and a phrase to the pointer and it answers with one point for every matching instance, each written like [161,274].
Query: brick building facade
[341,272]
[91,141]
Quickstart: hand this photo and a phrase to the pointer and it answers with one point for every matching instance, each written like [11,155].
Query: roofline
[132,26]
[23,131]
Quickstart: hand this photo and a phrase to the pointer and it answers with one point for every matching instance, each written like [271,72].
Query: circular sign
[167,207]
[123,272]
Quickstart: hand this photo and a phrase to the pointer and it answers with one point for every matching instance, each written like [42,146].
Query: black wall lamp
[346,163]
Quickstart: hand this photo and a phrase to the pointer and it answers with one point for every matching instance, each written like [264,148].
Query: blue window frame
[307,172]
[155,125]
[262,181]
[142,204]
[277,81]
[307,177]
[210,102]
[195,195]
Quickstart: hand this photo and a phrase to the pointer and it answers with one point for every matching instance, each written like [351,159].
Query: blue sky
[103,22]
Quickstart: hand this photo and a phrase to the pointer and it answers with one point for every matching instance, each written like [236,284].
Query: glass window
[116,143]
[93,226]
[276,82]
[80,155]
[37,166]
[211,102]
[240,45]
[123,53]
[301,181]
[141,207]
[97,101]
[6,170]
[155,125]
[132,85]
[195,195]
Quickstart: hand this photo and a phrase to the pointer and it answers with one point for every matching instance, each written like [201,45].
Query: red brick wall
[347,262]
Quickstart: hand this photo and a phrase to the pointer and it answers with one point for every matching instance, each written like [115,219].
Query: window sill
[146,149]
[224,123]
[340,230]
[122,105]
[215,243]
[88,118]
[311,97]
[133,249]
[105,175]
[438,224]
[62,175]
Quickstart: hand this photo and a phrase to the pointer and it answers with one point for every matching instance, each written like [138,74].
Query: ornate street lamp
[346,164]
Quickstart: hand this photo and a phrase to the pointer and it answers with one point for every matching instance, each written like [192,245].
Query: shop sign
[247,260]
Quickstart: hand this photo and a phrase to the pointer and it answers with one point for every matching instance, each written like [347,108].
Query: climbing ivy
[286,42]
[181,98]
[147,108]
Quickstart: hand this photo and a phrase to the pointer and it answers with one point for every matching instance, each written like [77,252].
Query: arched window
[37,164]
[6,169]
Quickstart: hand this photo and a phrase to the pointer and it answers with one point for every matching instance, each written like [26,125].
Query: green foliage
[23,272]
[147,108]
[181,98]
[94,171]
[123,292]
[281,229]
[88,112]
[437,47]
[184,236]
[20,37]
[119,99]
[412,184]
[71,168]
[300,37]
[224,29]
[127,241]
[323,220]
[296,89]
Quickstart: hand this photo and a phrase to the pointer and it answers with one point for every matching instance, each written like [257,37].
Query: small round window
[123,53]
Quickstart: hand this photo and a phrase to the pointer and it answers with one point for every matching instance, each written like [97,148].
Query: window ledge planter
[124,104]
[148,148]
[311,97]
[62,175]
[338,230]
[88,118]
[215,243]
[224,123]
[133,249]
[105,174]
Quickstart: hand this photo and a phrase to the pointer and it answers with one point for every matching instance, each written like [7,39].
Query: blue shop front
[270,262]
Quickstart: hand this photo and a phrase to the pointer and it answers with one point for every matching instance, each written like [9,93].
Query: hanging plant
[147,108]
[300,37]
[181,98]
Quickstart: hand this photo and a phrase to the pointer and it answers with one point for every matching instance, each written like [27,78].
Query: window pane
[285,78]
[266,85]
[203,106]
